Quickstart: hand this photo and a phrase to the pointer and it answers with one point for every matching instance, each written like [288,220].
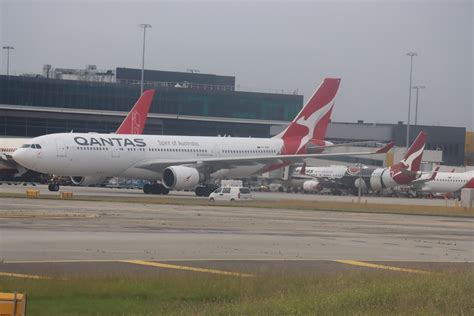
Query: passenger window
[226,190]
[218,190]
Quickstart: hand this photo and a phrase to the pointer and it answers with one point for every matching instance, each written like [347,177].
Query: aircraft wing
[212,164]
[420,182]
[7,159]
[368,142]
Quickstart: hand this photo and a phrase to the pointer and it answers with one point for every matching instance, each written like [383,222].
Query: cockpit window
[34,146]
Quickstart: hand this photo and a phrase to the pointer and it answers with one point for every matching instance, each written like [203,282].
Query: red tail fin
[135,121]
[385,149]
[412,159]
[313,120]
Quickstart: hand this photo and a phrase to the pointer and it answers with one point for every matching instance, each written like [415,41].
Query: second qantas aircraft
[367,178]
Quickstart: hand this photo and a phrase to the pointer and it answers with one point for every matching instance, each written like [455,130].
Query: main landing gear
[155,188]
[54,187]
[205,190]
[53,184]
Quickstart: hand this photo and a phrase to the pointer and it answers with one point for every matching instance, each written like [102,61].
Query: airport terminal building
[186,103]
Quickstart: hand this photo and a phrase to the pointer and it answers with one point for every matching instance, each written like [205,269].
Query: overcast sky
[269,46]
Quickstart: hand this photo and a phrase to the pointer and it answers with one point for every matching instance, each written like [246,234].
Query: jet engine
[360,183]
[381,178]
[311,186]
[88,180]
[180,178]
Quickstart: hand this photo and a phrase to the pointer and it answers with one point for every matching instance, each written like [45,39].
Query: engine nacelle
[180,178]
[360,183]
[88,180]
[311,186]
[381,179]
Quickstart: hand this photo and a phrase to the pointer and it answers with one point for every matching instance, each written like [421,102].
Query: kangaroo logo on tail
[411,162]
[135,121]
[412,159]
[313,120]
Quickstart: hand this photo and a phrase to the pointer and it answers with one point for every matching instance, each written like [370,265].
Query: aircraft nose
[20,156]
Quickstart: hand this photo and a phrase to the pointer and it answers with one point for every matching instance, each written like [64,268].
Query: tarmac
[40,237]
[263,196]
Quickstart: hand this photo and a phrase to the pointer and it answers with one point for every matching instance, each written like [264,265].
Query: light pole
[417,88]
[145,26]
[8,48]
[359,193]
[411,54]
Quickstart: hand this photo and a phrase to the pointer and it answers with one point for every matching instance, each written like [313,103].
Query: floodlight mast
[8,48]
[144,26]
[411,55]
[417,88]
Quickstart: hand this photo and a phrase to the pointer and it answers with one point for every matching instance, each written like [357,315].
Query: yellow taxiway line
[380,266]
[24,276]
[185,268]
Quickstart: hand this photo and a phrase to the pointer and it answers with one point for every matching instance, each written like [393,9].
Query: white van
[231,194]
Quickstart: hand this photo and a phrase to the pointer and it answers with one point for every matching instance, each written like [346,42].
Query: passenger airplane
[134,123]
[185,162]
[444,182]
[375,179]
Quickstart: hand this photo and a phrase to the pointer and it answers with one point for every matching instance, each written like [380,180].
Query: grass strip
[341,293]
[277,204]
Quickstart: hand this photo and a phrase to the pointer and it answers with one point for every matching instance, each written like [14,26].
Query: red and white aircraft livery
[375,179]
[184,162]
[444,182]
[134,123]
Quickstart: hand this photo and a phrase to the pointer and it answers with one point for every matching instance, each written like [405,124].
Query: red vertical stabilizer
[135,121]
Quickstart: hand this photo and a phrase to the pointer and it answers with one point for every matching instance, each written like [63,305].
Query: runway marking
[24,276]
[186,268]
[62,261]
[380,266]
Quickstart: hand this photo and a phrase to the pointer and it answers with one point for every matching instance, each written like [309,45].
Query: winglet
[135,121]
[435,172]
[385,149]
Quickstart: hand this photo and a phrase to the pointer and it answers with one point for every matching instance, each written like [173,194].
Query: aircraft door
[115,152]
[60,148]
[216,151]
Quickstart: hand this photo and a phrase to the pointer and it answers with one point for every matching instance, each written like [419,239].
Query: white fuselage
[322,172]
[447,182]
[309,179]
[90,154]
